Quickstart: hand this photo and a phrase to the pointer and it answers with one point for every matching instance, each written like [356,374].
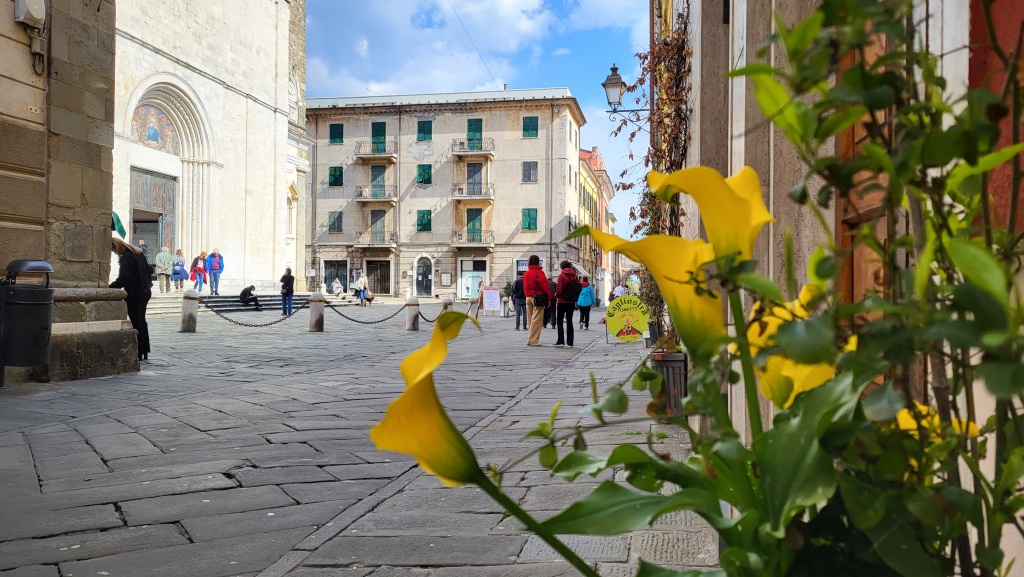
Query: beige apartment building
[434,194]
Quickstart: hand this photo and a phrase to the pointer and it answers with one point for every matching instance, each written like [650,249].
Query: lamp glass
[614,88]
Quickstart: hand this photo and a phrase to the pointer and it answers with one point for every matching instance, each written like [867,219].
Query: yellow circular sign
[626,318]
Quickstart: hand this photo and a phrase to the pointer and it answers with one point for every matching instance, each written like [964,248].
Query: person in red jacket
[535,283]
[566,292]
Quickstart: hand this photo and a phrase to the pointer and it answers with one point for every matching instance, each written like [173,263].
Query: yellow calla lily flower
[783,379]
[416,423]
[763,326]
[673,261]
[732,209]
[908,422]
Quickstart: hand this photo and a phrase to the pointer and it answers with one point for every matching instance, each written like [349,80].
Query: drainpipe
[550,202]
[315,249]
[396,268]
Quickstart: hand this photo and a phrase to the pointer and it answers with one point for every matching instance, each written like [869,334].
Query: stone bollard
[316,312]
[189,311]
[412,314]
[447,304]
[504,307]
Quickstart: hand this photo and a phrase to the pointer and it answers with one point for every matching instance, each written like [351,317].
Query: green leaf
[942,146]
[896,542]
[627,454]
[1003,379]
[808,342]
[865,503]
[799,38]
[795,470]
[884,404]
[752,69]
[648,378]
[979,266]
[959,333]
[554,415]
[648,570]
[614,401]
[840,121]
[777,105]
[923,271]
[579,463]
[812,269]
[612,509]
[548,456]
[985,164]
[761,285]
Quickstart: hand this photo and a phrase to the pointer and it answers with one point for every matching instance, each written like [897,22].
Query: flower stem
[512,507]
[749,384]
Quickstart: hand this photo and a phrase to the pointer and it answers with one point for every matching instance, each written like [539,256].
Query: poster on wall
[524,265]
[626,318]
[446,279]
[492,298]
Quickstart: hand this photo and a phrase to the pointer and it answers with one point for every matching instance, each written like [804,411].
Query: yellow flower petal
[673,261]
[732,209]
[783,379]
[416,422]
[929,419]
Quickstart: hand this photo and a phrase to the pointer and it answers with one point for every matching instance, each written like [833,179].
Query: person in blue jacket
[584,303]
[215,266]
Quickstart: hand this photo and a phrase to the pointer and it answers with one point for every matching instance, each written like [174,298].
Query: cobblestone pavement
[245,452]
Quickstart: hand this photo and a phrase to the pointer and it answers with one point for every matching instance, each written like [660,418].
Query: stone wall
[297,51]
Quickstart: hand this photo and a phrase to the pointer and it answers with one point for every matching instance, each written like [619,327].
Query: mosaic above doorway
[153,128]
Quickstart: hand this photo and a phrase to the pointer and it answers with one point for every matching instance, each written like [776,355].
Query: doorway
[152,204]
[474,178]
[474,224]
[336,269]
[378,135]
[424,278]
[377,229]
[377,180]
[378,275]
[146,227]
[471,274]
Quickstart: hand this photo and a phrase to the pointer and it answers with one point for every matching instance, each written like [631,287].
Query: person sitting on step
[248,295]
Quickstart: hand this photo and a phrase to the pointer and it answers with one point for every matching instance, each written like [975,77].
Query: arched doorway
[424,277]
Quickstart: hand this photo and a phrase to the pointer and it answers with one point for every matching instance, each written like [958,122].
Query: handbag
[540,298]
[284,291]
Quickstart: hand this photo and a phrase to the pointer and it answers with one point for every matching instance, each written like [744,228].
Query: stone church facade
[209,140]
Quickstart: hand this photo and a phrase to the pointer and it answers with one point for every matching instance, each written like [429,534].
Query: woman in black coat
[133,276]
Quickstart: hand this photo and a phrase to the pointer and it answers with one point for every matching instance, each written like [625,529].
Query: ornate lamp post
[614,89]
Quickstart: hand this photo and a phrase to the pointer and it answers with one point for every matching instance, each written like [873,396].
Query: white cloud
[561,52]
[363,47]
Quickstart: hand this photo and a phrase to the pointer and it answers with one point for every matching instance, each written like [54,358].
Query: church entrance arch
[424,277]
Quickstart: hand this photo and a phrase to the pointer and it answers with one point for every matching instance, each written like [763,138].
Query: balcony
[376,239]
[383,150]
[379,193]
[473,147]
[473,191]
[467,238]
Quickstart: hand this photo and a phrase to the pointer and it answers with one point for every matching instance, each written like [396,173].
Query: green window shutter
[335,176]
[423,174]
[334,222]
[337,134]
[475,133]
[424,130]
[530,129]
[529,219]
[422,221]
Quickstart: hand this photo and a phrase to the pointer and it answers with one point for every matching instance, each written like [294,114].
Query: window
[475,133]
[334,222]
[424,130]
[529,127]
[530,171]
[337,134]
[570,133]
[529,219]
[335,177]
[422,221]
[423,173]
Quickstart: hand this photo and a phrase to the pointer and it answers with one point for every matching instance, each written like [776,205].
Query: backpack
[571,291]
[179,268]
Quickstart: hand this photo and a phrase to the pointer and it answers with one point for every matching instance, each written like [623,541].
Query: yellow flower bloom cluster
[416,423]
[929,419]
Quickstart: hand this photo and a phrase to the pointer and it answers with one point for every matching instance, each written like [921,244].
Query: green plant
[897,443]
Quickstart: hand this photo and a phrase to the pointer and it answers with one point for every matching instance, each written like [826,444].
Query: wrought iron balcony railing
[376,237]
[472,236]
[380,148]
[481,145]
[473,189]
[376,192]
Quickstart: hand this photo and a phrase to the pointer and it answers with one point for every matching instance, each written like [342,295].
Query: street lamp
[614,89]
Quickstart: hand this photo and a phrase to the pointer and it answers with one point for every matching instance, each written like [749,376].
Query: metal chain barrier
[252,325]
[422,316]
[344,316]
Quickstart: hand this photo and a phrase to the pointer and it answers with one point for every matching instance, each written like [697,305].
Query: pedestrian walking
[178,271]
[538,295]
[519,300]
[248,296]
[198,272]
[134,277]
[164,263]
[143,247]
[361,286]
[287,291]
[619,291]
[215,266]
[586,300]
[567,291]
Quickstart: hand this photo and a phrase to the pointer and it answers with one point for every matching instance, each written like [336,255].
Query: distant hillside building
[432,194]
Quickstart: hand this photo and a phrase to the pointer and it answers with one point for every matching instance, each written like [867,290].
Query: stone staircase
[169,304]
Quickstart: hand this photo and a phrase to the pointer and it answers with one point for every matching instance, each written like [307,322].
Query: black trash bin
[26,316]
[674,370]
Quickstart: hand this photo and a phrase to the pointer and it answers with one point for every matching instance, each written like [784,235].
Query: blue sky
[361,47]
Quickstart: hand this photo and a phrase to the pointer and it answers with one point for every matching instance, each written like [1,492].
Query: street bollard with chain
[316,312]
[447,304]
[412,314]
[189,311]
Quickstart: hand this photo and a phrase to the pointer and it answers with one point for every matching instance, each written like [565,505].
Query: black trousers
[549,315]
[565,323]
[137,304]
[252,300]
[585,316]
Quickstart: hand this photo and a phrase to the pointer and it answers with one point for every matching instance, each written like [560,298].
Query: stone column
[316,312]
[412,314]
[189,311]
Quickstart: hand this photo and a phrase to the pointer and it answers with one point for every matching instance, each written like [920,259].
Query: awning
[115,224]
[580,271]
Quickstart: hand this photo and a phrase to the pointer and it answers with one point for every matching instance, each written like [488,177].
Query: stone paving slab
[262,521]
[32,571]
[317,492]
[113,494]
[139,475]
[281,475]
[416,523]
[591,548]
[221,558]
[87,545]
[27,523]
[178,507]
[417,551]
